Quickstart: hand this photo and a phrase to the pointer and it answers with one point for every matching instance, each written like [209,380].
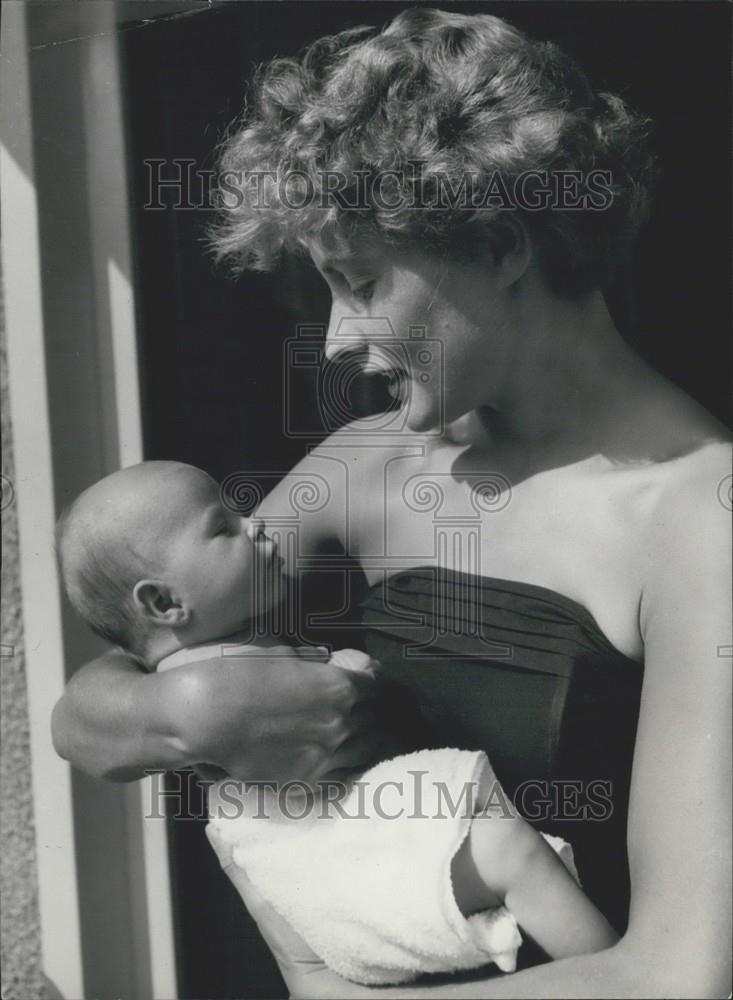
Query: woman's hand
[281,715]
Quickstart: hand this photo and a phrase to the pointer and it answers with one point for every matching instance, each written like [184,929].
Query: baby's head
[153,561]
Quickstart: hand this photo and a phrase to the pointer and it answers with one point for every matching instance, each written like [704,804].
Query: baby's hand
[369,750]
[354,659]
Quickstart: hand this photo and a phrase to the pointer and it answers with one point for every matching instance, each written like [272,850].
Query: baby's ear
[159,605]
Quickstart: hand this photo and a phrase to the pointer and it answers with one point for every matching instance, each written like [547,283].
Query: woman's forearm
[116,722]
[111,723]
[616,972]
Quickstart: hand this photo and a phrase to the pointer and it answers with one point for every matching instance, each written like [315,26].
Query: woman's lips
[393,387]
[396,382]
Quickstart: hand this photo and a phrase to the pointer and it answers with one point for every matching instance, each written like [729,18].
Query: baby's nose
[256,529]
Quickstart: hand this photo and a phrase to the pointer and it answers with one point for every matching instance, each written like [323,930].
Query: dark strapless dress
[526,675]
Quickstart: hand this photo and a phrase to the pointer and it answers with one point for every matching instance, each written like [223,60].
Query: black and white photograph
[366,499]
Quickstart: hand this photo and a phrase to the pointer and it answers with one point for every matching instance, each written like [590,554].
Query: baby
[420,865]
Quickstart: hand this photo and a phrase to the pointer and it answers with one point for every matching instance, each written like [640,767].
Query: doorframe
[103,871]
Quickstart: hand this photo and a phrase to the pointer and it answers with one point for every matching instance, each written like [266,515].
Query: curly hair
[450,113]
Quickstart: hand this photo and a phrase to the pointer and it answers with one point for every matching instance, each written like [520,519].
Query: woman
[543,540]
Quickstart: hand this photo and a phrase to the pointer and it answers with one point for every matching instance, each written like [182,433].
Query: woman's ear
[160,606]
[507,241]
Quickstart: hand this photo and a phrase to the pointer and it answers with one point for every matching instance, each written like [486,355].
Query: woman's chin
[421,419]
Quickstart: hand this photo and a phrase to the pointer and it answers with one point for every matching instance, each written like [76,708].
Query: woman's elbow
[61,730]
[64,737]
[676,967]
[69,743]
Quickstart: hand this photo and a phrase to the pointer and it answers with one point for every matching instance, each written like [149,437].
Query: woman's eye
[223,529]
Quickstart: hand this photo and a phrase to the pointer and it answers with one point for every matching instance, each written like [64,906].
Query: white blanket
[366,881]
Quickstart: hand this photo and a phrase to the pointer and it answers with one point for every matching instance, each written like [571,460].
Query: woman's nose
[346,334]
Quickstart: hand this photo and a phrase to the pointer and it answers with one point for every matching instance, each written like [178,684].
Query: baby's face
[221,564]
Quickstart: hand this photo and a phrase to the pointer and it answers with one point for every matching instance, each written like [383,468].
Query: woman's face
[436,326]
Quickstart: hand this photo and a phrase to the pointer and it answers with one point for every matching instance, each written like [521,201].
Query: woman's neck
[571,372]
[573,389]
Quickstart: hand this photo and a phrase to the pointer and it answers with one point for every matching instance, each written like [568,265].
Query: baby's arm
[504,861]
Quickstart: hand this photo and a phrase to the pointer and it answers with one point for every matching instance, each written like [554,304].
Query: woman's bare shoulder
[677,454]
[687,541]
[698,479]
[666,519]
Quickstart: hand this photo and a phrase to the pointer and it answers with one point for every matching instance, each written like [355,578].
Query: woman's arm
[282,716]
[114,721]
[678,942]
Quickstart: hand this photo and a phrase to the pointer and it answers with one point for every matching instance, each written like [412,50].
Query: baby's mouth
[265,547]
[274,559]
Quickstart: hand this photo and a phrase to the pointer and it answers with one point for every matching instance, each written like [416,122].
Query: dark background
[212,348]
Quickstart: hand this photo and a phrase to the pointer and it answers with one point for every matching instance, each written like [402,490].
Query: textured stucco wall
[19,926]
